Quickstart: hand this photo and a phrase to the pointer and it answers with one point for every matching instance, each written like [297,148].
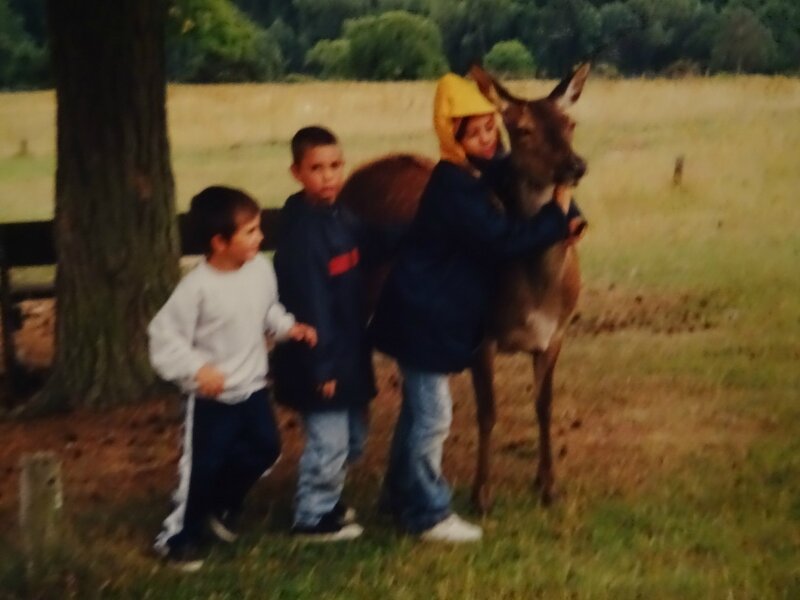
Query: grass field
[677,413]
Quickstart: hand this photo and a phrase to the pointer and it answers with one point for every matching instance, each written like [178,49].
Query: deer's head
[540,131]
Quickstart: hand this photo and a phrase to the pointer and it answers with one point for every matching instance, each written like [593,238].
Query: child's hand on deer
[563,197]
[577,224]
[210,381]
[300,332]
[577,228]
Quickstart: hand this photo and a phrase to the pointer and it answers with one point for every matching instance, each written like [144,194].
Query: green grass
[695,532]
[683,480]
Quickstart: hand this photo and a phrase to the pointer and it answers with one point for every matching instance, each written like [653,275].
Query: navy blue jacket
[320,282]
[432,312]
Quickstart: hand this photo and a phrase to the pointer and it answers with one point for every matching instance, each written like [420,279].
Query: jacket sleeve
[277,321]
[307,275]
[376,243]
[480,226]
[171,336]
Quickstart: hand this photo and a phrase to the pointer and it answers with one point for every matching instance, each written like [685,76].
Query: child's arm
[171,334]
[305,278]
[377,243]
[481,227]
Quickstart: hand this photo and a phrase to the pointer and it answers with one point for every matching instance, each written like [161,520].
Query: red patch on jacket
[343,263]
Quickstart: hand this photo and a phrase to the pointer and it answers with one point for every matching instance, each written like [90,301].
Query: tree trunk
[115,232]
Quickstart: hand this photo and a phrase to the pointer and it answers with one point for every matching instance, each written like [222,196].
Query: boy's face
[321,173]
[243,245]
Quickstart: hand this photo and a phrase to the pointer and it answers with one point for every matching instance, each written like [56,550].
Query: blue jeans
[333,440]
[414,489]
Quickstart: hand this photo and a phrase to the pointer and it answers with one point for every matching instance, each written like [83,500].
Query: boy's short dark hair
[310,137]
[218,210]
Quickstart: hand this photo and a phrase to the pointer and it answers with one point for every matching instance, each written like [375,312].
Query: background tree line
[274,40]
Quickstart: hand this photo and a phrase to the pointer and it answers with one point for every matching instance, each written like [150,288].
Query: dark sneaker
[224,526]
[329,529]
[187,558]
[346,515]
[387,506]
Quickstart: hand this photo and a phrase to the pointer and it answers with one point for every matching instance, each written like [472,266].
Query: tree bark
[115,231]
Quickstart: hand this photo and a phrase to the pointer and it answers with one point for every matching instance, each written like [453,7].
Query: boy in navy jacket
[317,266]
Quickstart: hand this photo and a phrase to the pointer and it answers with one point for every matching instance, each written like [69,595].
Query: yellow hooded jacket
[456,98]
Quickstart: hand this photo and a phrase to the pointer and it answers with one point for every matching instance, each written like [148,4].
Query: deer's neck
[531,197]
[518,192]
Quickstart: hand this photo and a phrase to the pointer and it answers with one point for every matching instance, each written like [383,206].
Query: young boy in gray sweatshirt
[209,339]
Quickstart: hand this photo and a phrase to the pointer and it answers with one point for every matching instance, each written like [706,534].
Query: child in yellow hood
[432,312]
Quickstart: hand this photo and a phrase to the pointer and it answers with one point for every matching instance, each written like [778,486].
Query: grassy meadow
[677,409]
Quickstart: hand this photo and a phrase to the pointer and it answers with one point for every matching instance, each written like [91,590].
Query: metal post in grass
[40,504]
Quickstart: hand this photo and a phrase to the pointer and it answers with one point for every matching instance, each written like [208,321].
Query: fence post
[40,503]
[677,173]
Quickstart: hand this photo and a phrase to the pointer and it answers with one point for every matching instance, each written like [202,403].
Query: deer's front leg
[543,365]
[483,383]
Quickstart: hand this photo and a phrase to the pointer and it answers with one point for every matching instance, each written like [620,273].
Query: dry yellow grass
[734,131]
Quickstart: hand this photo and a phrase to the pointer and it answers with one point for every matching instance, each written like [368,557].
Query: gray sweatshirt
[219,318]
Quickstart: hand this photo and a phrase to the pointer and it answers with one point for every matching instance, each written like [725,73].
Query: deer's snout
[573,170]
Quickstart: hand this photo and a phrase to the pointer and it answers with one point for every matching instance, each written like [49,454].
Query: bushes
[23,63]
[395,45]
[330,59]
[211,40]
[510,59]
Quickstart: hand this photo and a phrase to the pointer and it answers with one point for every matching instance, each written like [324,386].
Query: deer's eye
[525,130]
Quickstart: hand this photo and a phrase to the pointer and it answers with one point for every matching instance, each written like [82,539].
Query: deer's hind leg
[483,383]
[543,366]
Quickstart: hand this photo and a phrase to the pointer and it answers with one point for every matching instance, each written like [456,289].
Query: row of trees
[268,40]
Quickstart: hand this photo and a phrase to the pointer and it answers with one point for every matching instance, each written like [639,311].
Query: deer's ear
[569,90]
[494,92]
[509,106]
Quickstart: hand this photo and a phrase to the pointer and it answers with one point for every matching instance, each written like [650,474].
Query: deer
[537,294]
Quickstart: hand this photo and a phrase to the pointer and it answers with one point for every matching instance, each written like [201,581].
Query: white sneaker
[453,529]
[319,534]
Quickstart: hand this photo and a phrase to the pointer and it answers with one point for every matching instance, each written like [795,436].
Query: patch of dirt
[612,309]
[603,436]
